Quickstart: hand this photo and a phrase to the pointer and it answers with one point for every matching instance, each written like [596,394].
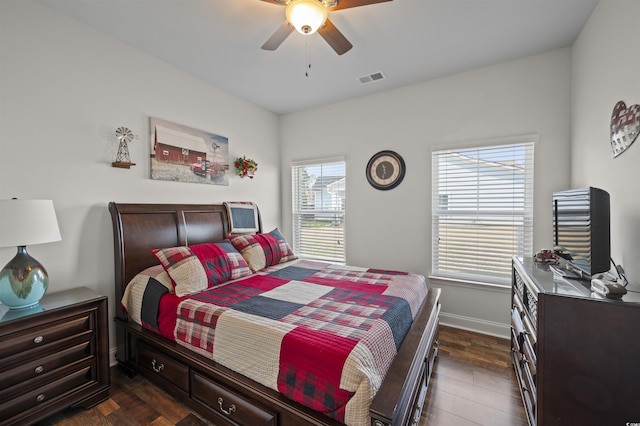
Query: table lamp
[23,281]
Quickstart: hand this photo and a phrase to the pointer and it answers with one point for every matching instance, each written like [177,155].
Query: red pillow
[198,267]
[262,250]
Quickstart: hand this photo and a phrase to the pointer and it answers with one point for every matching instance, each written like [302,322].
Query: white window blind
[482,210]
[318,189]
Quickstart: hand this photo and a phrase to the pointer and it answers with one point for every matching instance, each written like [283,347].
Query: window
[482,210]
[318,189]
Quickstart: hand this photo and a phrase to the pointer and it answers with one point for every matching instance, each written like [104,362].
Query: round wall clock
[385,170]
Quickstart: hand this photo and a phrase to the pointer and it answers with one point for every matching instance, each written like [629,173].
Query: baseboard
[112,357]
[474,324]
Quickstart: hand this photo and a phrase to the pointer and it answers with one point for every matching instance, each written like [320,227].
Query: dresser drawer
[37,337]
[529,353]
[229,405]
[528,379]
[163,366]
[42,366]
[517,328]
[47,394]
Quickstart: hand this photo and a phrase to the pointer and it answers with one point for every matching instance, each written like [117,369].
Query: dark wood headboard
[139,228]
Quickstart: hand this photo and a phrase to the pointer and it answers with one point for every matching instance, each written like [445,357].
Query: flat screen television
[581,229]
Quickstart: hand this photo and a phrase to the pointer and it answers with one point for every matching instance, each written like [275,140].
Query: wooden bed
[199,382]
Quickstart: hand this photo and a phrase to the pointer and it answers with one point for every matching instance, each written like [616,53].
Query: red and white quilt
[322,335]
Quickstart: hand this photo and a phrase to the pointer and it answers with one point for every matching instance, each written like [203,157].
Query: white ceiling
[407,40]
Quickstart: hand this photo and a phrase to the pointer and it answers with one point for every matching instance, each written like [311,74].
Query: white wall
[392,229]
[64,89]
[606,69]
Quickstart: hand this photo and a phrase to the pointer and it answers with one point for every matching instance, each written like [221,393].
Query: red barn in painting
[173,146]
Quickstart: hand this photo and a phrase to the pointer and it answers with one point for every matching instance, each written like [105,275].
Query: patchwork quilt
[322,335]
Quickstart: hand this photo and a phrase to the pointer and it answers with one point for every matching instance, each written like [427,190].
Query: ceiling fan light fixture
[306,15]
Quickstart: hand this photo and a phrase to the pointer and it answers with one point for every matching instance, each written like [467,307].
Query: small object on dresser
[607,286]
[546,256]
[23,281]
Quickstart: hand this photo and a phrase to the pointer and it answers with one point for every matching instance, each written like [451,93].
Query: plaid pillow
[239,267]
[262,250]
[198,267]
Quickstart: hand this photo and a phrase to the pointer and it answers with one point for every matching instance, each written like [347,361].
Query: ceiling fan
[309,16]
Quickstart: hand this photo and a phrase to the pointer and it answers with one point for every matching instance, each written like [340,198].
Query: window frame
[520,219]
[326,213]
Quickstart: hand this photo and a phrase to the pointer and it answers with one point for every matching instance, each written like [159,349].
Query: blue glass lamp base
[23,281]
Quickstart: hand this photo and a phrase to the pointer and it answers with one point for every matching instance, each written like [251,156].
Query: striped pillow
[201,266]
[262,250]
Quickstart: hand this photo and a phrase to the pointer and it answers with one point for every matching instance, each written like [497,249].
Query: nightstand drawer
[163,366]
[44,365]
[46,394]
[40,336]
[228,405]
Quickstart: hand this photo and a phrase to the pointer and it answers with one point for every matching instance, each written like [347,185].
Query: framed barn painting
[182,154]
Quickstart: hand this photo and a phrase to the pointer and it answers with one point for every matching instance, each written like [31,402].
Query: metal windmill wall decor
[123,160]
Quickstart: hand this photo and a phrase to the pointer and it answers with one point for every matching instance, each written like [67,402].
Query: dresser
[576,355]
[53,356]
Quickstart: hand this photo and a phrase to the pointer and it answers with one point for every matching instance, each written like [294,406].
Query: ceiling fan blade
[278,37]
[346,4]
[334,37]
[278,2]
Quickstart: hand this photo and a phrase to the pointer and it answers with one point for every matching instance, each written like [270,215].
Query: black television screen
[581,228]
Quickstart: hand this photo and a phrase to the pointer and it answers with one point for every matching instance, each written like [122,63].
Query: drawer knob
[156,367]
[40,397]
[227,412]
[39,369]
[38,340]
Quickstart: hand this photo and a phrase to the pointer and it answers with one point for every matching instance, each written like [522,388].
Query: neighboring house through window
[482,209]
[318,188]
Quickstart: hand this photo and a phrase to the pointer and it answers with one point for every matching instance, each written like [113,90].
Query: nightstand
[53,356]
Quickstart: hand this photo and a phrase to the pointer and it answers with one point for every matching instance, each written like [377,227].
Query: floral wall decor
[245,167]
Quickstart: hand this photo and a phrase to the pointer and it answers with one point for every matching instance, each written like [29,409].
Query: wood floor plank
[193,420]
[161,421]
[435,416]
[138,409]
[488,397]
[107,407]
[171,410]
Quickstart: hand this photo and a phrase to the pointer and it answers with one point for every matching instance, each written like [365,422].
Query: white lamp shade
[27,222]
[306,15]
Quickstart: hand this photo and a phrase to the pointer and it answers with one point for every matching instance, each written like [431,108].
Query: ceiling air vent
[370,78]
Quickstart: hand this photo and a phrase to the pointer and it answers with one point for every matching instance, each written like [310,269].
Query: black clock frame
[370,172]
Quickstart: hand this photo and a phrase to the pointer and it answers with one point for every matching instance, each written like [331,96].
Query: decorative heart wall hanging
[625,127]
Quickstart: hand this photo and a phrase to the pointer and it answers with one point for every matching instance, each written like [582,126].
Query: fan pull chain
[308,64]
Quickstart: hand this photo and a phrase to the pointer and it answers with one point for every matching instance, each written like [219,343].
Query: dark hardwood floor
[473,384]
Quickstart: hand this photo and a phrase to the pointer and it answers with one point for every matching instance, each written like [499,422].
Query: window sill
[456,282]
